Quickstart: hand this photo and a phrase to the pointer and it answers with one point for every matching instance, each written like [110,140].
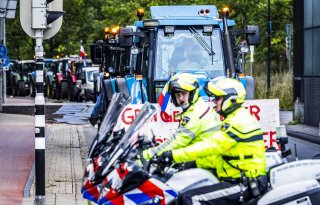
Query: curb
[28,186]
[304,136]
[27,109]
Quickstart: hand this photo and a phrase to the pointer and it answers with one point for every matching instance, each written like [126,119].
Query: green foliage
[280,87]
[85,20]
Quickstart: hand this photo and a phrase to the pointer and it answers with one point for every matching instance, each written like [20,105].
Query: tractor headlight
[151,23]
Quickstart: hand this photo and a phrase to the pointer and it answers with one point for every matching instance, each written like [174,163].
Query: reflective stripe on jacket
[197,123]
[237,146]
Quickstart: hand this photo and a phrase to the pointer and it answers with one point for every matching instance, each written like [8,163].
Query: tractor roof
[191,15]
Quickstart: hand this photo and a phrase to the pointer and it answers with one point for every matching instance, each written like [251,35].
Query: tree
[86,19]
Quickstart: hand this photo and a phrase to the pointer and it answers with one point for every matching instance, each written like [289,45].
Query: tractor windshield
[189,49]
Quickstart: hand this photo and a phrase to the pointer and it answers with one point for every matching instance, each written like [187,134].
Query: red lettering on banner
[255,110]
[136,112]
[165,116]
[270,139]
[273,139]
[127,119]
[160,140]
[155,119]
[175,113]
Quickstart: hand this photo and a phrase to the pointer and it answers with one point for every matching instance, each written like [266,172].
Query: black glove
[189,165]
[185,165]
[166,157]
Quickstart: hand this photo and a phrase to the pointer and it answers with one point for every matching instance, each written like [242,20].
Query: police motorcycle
[294,182]
[115,177]
[129,182]
[103,144]
[105,134]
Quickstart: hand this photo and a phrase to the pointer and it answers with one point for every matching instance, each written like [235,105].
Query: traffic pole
[1,63]
[269,50]
[40,143]
[38,20]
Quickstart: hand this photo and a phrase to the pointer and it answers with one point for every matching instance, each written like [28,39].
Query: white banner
[164,124]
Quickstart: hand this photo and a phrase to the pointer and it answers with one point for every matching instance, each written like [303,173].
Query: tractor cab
[186,39]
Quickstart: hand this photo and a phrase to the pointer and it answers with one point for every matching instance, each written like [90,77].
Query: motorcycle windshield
[131,136]
[117,103]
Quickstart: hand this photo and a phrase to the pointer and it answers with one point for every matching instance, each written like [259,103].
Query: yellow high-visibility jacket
[198,122]
[238,146]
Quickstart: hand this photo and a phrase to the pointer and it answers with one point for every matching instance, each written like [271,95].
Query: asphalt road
[303,149]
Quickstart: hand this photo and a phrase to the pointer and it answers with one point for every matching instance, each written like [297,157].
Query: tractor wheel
[21,91]
[74,93]
[32,89]
[14,90]
[50,91]
[54,90]
[64,89]
[45,90]
[71,93]
[86,97]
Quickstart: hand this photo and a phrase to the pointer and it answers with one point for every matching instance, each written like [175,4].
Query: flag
[83,55]
[164,97]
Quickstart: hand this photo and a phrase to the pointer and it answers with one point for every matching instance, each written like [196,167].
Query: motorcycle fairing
[90,170]
[92,193]
[144,193]
[302,193]
[191,179]
[114,179]
[287,173]
[117,180]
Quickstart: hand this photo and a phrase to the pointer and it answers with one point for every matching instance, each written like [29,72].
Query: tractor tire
[21,91]
[71,93]
[44,90]
[76,95]
[48,91]
[32,89]
[64,89]
[14,90]
[86,96]
[55,90]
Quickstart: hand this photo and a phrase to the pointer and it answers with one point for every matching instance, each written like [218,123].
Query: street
[304,149]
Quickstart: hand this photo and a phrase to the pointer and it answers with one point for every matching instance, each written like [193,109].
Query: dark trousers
[217,194]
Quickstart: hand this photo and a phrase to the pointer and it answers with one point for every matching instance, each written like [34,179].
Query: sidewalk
[300,131]
[64,166]
[304,132]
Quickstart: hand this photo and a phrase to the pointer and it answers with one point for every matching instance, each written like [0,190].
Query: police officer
[197,121]
[237,150]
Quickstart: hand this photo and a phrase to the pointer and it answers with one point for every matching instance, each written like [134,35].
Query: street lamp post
[269,50]
[7,11]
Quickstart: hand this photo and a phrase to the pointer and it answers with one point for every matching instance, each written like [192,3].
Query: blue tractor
[180,39]
[187,39]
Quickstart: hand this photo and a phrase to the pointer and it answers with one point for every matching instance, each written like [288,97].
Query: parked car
[85,86]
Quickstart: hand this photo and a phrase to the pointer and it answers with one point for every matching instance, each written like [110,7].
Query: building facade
[306,58]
